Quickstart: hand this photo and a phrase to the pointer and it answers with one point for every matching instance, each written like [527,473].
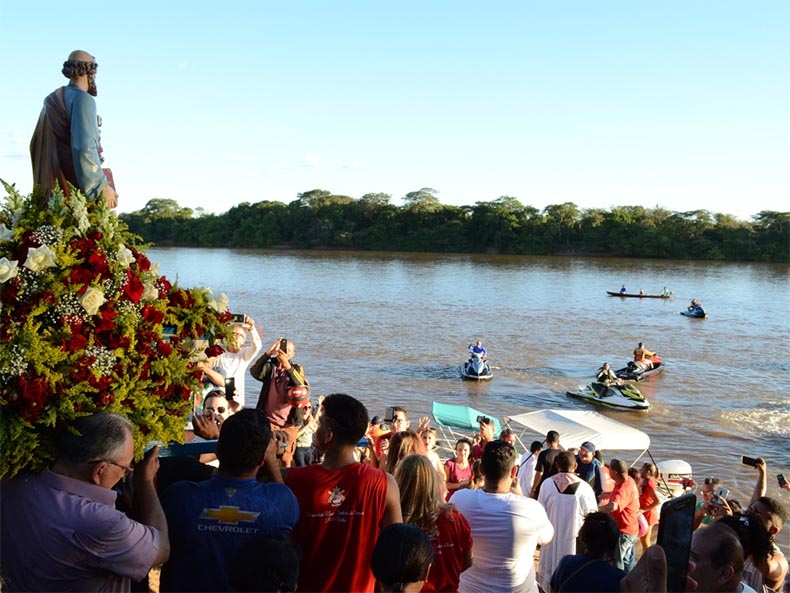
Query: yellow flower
[40,258]
[8,269]
[92,300]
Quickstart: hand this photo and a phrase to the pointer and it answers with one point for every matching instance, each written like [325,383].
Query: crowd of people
[372,507]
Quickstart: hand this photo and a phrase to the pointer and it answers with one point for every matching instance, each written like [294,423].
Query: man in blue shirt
[210,521]
[477,349]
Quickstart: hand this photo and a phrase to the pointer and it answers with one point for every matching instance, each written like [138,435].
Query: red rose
[84,247]
[96,235]
[164,349]
[152,314]
[214,350]
[81,277]
[142,262]
[133,288]
[98,264]
[75,343]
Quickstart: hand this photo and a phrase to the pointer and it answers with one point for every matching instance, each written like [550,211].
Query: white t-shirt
[506,529]
[234,364]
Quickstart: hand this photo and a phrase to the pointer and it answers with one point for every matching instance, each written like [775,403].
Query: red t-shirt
[451,544]
[339,522]
[456,474]
[626,496]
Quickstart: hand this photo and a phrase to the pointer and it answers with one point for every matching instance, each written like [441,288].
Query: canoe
[637,296]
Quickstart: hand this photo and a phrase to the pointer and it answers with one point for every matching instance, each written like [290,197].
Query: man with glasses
[60,529]
[233,363]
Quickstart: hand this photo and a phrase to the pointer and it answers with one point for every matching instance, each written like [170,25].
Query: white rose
[40,258]
[6,234]
[92,299]
[125,256]
[150,293]
[8,269]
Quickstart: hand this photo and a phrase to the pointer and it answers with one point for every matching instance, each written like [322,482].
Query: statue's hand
[110,196]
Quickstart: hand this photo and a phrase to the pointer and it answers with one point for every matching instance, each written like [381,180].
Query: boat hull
[628,295]
[626,397]
[630,373]
[476,371]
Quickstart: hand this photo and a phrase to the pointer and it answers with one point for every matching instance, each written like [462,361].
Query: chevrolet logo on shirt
[228,515]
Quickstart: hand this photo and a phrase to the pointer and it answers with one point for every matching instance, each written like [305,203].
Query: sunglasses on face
[219,410]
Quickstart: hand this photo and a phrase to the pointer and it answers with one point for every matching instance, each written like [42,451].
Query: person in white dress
[567,500]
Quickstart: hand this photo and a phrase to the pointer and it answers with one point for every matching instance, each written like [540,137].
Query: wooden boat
[638,296]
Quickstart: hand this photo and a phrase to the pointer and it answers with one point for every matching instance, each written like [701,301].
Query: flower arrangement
[87,324]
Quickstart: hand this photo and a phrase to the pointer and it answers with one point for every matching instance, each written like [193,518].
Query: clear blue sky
[681,104]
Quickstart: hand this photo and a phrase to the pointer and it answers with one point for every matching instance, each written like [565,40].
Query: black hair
[775,508]
[600,535]
[402,555]
[266,563]
[565,461]
[347,417]
[243,440]
[552,436]
[497,460]
[535,446]
[464,440]
[753,535]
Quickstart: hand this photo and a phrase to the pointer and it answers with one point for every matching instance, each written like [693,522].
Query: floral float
[87,324]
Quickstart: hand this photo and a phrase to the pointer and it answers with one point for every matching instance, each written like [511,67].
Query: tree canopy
[320,219]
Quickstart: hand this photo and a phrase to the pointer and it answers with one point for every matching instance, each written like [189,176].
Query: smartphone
[749,461]
[721,494]
[675,527]
[284,345]
[237,317]
[483,420]
[389,415]
[781,479]
[230,387]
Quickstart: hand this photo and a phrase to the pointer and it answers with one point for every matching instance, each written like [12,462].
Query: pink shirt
[63,534]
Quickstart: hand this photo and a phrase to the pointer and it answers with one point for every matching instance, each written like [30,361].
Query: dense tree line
[320,219]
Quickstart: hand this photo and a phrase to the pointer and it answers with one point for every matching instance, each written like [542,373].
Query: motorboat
[625,397]
[574,427]
[577,426]
[476,369]
[455,422]
[635,371]
[695,311]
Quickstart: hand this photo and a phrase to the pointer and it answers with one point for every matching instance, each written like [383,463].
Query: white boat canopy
[578,426]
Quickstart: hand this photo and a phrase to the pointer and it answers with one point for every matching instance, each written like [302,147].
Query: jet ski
[625,396]
[476,369]
[635,371]
[696,311]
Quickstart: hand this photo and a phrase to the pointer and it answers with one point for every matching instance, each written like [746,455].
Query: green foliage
[320,219]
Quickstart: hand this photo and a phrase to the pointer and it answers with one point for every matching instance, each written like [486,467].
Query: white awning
[578,426]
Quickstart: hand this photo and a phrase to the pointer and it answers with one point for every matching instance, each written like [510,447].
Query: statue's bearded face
[92,90]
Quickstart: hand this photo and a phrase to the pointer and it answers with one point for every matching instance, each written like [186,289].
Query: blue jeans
[303,456]
[625,556]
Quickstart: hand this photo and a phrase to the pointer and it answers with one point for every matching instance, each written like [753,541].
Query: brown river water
[392,329]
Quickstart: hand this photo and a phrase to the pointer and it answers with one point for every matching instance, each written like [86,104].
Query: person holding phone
[233,363]
[278,373]
[773,570]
